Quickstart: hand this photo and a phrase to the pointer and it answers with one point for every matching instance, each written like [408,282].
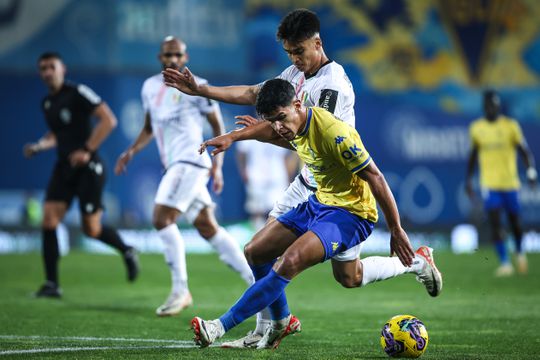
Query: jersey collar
[308,122]
[315,73]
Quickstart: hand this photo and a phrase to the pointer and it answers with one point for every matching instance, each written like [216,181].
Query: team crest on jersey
[65,116]
[339,139]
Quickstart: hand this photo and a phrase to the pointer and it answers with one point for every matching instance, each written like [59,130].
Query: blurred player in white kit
[176,121]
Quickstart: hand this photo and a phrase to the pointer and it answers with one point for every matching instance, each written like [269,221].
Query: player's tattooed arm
[185,82]
[47,141]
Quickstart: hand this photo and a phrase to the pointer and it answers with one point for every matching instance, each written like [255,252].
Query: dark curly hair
[273,94]
[298,25]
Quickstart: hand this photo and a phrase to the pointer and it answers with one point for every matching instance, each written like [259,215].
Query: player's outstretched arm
[399,241]
[47,141]
[185,82]
[145,135]
[261,131]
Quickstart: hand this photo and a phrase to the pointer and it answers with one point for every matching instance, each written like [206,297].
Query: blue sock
[261,294]
[279,309]
[500,249]
[517,242]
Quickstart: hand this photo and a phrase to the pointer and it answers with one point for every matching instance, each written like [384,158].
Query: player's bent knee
[92,231]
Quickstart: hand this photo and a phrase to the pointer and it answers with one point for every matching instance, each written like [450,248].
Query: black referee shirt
[68,114]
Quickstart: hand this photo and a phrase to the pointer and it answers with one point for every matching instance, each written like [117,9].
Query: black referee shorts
[86,183]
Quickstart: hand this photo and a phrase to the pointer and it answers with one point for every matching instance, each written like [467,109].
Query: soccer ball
[404,336]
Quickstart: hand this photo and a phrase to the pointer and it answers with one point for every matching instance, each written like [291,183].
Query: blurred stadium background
[417,66]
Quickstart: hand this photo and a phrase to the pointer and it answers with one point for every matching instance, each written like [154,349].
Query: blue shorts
[507,200]
[337,228]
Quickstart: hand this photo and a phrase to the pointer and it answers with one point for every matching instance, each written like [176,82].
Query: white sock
[175,256]
[377,268]
[263,321]
[230,253]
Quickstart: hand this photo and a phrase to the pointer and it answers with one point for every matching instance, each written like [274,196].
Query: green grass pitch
[102,316]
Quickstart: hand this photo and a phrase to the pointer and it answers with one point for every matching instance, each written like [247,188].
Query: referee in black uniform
[79,172]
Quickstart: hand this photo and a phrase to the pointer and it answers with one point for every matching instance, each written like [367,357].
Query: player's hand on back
[401,246]
[181,80]
[220,144]
[246,120]
[122,161]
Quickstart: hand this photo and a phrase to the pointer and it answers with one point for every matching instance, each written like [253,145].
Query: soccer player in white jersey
[176,121]
[318,81]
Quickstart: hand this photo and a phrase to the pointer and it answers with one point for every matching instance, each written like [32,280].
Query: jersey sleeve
[344,142]
[329,95]
[517,133]
[144,97]
[88,98]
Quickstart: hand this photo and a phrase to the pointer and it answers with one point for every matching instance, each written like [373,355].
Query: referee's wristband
[532,175]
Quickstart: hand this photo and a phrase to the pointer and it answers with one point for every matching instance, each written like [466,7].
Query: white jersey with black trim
[177,121]
[328,88]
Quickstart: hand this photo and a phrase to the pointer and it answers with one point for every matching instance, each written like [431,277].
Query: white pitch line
[93,348]
[87,338]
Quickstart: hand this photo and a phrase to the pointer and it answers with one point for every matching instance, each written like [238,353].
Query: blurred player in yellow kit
[494,141]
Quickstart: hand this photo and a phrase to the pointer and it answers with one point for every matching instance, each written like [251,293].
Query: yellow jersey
[496,142]
[334,153]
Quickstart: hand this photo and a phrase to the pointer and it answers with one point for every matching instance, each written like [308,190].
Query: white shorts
[183,187]
[260,198]
[296,194]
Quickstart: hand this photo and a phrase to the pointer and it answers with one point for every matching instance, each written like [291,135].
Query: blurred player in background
[495,139]
[318,81]
[176,121]
[266,171]
[339,216]
[79,172]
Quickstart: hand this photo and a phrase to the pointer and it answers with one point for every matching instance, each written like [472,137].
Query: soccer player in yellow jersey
[495,139]
[339,216]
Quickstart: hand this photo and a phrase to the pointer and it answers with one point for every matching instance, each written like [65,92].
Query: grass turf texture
[102,316]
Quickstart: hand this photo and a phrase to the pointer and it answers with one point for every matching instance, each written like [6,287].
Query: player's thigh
[59,194]
[269,243]
[53,213]
[303,253]
[90,185]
